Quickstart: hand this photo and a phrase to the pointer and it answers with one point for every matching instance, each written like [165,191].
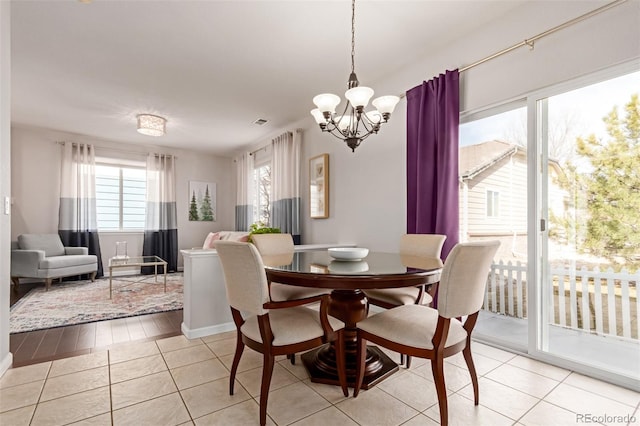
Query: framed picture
[319,186]
[202,201]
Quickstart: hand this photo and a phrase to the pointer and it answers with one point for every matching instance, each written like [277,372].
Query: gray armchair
[43,256]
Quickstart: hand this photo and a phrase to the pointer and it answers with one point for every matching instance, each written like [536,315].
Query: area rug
[78,302]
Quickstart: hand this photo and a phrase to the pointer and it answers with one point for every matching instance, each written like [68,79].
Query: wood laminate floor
[33,347]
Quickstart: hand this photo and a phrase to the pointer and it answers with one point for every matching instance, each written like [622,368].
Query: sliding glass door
[493,206]
[590,224]
[556,178]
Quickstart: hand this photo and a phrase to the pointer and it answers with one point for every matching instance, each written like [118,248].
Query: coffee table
[128,262]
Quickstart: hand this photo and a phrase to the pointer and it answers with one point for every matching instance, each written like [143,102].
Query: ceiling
[212,67]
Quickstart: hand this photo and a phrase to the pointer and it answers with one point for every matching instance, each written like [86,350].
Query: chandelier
[355,124]
[151,125]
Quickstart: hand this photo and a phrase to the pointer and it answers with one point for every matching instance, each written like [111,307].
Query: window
[493,203]
[120,197]
[262,193]
[262,185]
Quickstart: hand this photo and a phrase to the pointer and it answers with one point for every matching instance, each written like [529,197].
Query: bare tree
[264,194]
[561,133]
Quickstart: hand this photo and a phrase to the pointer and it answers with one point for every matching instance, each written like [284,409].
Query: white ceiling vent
[260,121]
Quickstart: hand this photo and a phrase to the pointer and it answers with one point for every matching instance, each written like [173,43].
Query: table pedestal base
[321,365]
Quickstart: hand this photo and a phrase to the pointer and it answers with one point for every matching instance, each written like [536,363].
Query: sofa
[43,256]
[212,237]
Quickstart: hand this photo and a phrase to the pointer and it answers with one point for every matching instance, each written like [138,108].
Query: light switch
[7,205]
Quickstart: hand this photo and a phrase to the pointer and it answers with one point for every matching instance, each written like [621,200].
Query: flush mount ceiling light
[355,124]
[151,125]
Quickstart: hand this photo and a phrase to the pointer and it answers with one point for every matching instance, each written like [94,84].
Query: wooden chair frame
[269,351]
[404,358]
[436,355]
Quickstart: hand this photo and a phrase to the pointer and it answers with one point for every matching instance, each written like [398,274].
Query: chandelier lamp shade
[354,124]
[151,125]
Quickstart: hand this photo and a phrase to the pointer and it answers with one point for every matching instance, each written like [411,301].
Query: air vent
[260,121]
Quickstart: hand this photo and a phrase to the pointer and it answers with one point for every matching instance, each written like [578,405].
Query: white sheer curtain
[161,225]
[244,192]
[77,219]
[285,183]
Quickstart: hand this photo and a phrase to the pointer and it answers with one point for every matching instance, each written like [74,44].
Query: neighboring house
[493,195]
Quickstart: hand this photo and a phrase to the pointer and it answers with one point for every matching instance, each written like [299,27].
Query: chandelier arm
[344,113]
[375,125]
[371,128]
[339,134]
[365,136]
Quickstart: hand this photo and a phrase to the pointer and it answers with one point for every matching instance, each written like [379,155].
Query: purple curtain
[433,115]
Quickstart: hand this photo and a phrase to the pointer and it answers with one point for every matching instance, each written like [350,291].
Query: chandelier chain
[353,35]
[354,124]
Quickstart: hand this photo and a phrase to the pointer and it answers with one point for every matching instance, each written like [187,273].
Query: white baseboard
[6,363]
[206,331]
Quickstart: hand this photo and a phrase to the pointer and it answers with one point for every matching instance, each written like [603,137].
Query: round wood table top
[376,270]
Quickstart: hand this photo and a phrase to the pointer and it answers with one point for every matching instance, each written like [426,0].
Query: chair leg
[267,371]
[341,363]
[93,276]
[236,361]
[437,367]
[361,355]
[47,283]
[16,282]
[408,361]
[472,372]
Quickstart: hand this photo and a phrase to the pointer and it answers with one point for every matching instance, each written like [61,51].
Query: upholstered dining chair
[418,246]
[436,334]
[281,246]
[276,245]
[272,328]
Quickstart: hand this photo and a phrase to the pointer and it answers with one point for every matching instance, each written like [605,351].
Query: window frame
[493,202]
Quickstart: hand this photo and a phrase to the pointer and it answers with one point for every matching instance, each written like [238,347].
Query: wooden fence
[600,302]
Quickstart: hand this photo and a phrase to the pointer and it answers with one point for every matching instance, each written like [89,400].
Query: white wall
[5,181]
[35,160]
[368,187]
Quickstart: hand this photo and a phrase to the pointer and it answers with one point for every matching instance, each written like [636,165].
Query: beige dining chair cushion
[271,244]
[415,248]
[244,276]
[464,278]
[398,296]
[307,325]
[411,325]
[422,245]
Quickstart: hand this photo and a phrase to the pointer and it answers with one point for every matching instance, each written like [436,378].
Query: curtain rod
[141,153]
[531,41]
[264,147]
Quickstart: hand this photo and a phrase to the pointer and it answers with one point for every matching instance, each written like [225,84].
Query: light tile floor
[176,381]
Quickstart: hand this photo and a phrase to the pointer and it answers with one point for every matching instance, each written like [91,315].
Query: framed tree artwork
[319,186]
[202,201]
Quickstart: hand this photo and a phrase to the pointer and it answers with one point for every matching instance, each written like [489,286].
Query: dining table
[346,280]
